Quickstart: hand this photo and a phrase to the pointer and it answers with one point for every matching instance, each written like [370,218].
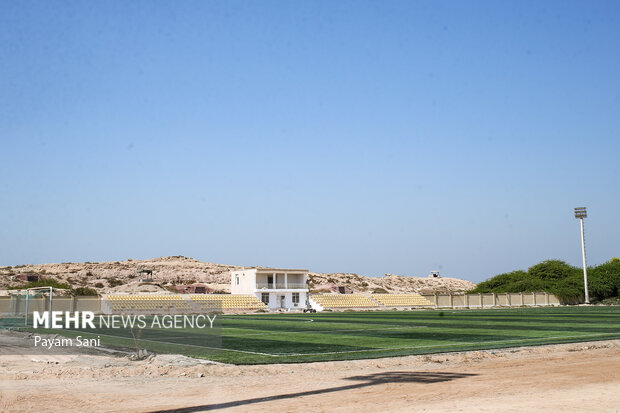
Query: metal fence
[16,304]
[492,300]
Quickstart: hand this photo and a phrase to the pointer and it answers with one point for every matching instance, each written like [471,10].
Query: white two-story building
[276,287]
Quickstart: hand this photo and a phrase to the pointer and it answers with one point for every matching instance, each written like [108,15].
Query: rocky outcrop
[125,276]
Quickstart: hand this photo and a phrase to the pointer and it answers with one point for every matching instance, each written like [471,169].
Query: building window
[237,278]
[295,298]
[264,297]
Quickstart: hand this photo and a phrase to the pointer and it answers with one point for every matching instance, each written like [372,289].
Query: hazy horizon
[367,137]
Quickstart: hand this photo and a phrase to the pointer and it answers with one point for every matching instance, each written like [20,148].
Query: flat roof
[277,269]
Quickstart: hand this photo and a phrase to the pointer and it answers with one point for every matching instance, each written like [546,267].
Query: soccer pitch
[289,338]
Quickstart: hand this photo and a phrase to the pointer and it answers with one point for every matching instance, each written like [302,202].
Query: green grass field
[286,338]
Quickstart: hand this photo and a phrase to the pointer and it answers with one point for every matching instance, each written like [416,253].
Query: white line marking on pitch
[358,351]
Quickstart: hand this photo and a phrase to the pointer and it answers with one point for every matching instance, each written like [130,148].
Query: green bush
[44,282]
[552,270]
[512,282]
[604,280]
[558,278]
[81,291]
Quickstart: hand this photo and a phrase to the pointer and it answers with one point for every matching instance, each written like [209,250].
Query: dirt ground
[570,377]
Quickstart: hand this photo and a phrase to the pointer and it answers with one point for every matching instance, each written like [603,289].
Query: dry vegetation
[115,276]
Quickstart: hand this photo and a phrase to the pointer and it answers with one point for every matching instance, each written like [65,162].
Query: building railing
[280,286]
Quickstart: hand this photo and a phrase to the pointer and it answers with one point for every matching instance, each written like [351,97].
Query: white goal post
[35,289]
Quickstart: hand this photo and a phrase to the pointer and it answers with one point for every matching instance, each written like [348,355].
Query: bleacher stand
[230,302]
[170,303]
[344,301]
[402,300]
[148,303]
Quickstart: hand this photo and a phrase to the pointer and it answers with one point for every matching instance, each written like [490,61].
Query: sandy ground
[571,377]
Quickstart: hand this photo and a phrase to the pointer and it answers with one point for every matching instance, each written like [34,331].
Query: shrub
[45,282]
[114,282]
[558,278]
[604,280]
[82,291]
[379,291]
[511,282]
[99,285]
[553,270]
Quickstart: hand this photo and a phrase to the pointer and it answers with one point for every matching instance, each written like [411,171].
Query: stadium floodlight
[580,214]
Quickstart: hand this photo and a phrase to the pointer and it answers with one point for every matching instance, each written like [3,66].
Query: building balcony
[281,286]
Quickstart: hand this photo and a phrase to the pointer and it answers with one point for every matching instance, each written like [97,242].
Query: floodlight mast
[580,214]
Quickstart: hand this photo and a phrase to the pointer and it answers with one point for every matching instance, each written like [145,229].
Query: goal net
[16,311]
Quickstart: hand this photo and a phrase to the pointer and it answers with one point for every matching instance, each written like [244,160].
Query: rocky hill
[391,283]
[124,276]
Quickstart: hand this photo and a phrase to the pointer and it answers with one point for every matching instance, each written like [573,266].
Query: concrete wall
[247,281]
[18,304]
[275,300]
[492,300]
[90,303]
[63,304]
[5,304]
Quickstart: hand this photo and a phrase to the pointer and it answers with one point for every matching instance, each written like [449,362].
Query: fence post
[534,298]
[451,300]
[481,303]
[467,300]
[436,301]
[521,293]
[546,298]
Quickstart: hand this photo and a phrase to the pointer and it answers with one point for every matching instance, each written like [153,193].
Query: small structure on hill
[30,277]
[434,274]
[148,276]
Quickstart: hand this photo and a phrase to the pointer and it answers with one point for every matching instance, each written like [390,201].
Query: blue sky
[366,137]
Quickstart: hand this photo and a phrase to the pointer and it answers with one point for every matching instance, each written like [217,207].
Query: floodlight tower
[580,214]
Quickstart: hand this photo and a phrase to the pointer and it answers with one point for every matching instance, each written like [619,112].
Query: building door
[282,301]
